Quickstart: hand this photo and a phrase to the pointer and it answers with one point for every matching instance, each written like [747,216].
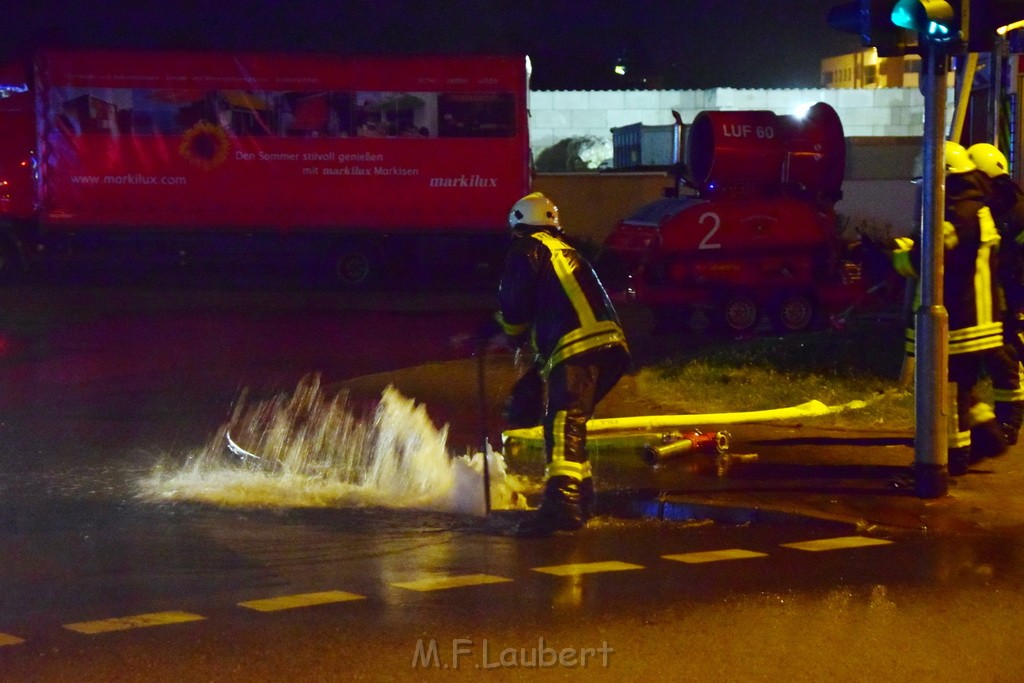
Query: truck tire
[354,267]
[737,314]
[795,312]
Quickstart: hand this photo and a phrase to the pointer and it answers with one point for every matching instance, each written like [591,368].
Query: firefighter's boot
[560,509]
[588,499]
[1010,415]
[987,440]
[959,460]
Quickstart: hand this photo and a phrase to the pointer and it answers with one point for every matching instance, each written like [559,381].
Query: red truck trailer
[361,163]
[756,235]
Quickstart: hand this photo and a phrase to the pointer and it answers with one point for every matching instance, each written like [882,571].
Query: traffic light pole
[931,467]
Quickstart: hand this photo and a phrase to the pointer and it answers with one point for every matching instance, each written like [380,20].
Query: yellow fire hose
[534,436]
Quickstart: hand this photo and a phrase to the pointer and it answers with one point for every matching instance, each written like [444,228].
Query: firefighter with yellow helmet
[971,298]
[1007,204]
[550,295]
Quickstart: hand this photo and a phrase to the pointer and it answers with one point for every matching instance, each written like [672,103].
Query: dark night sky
[573,43]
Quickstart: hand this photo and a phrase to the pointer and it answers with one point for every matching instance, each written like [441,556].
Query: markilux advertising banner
[287,141]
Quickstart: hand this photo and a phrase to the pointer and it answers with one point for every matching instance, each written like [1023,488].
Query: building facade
[865,69]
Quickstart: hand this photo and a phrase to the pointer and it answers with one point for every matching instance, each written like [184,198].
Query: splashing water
[308,450]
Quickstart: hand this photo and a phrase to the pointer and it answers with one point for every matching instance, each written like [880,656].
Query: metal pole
[995,91]
[481,359]
[931,472]
[965,83]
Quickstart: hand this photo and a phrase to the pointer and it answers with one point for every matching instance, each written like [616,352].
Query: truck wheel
[354,267]
[793,313]
[737,314]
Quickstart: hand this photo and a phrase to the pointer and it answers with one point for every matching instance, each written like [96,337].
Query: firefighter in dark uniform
[1007,204]
[550,295]
[971,300]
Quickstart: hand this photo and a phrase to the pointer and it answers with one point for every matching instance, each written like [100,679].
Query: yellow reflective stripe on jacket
[604,333]
[565,277]
[591,333]
[983,288]
[510,329]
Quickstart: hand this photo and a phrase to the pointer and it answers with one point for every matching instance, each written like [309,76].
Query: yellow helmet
[534,209]
[957,159]
[989,159]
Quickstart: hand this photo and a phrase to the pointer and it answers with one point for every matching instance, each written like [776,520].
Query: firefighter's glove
[489,336]
[525,404]
[875,257]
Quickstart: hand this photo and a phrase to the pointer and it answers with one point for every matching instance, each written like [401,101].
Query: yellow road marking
[586,568]
[836,543]
[7,639]
[444,582]
[137,621]
[715,556]
[300,600]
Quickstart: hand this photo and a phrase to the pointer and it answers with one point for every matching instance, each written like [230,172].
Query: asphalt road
[97,583]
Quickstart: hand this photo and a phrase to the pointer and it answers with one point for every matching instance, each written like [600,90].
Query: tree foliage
[574,154]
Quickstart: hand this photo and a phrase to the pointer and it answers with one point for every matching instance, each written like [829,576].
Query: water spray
[312,449]
[247,457]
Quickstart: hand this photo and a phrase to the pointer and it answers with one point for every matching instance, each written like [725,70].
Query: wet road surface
[97,584]
[153,594]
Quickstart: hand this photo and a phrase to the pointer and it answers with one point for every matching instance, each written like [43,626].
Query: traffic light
[872,20]
[891,25]
[932,20]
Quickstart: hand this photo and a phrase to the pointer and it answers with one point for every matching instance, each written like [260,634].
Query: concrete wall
[881,208]
[878,195]
[559,114]
[589,204]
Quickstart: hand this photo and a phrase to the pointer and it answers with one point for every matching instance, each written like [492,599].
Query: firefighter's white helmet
[957,159]
[534,209]
[989,159]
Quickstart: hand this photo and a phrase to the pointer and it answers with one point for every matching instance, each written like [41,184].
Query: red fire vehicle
[756,235]
[355,162]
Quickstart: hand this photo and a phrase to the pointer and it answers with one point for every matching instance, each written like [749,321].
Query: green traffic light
[933,19]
